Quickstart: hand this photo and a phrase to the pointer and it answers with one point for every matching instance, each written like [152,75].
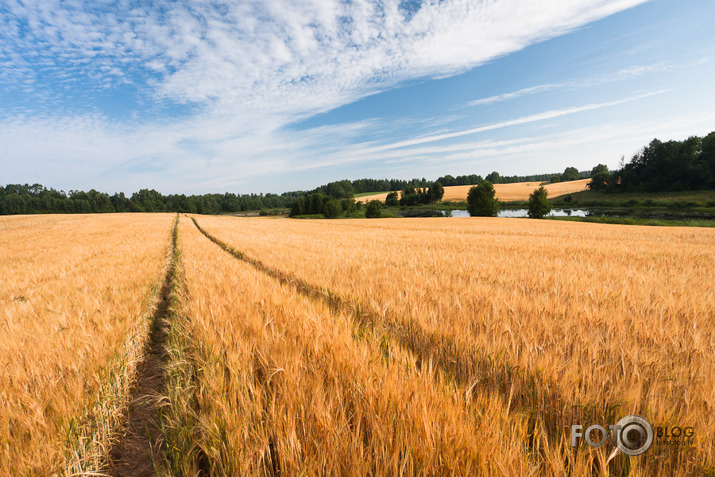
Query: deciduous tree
[482,201]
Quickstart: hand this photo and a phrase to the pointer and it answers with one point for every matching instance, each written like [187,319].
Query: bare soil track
[141,446]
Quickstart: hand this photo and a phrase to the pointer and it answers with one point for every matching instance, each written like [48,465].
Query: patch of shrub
[374,209]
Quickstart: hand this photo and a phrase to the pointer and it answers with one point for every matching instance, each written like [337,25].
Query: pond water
[525,213]
[602,212]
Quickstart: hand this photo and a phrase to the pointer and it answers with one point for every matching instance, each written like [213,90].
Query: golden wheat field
[556,320]
[73,292]
[504,192]
[356,347]
[285,386]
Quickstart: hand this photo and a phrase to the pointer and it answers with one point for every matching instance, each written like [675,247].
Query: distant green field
[703,198]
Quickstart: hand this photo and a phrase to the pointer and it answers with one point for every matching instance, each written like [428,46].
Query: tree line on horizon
[659,166]
[38,199]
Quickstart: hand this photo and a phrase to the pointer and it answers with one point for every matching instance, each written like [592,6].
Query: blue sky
[268,96]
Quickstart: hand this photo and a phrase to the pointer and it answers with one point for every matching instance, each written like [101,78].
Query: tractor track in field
[140,447]
[469,367]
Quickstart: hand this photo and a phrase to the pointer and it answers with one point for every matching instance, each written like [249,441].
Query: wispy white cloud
[515,94]
[281,57]
[620,75]
[249,68]
[532,118]
[596,144]
[113,157]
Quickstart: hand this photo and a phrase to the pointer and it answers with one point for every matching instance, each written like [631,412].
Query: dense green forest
[661,167]
[36,199]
